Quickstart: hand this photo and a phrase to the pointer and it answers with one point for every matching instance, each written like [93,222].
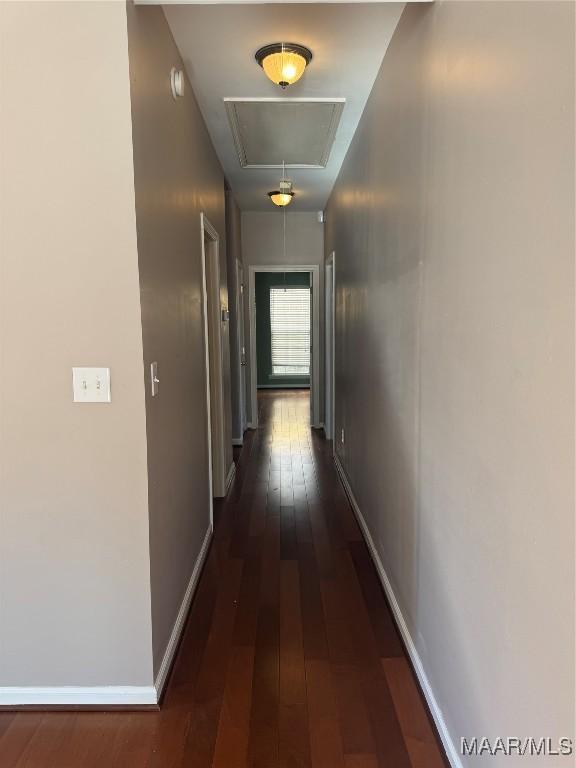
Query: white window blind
[290,326]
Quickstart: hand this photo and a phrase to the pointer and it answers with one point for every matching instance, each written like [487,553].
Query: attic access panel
[299,131]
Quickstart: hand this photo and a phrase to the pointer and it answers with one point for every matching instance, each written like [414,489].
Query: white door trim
[214,390]
[241,347]
[314,271]
[329,346]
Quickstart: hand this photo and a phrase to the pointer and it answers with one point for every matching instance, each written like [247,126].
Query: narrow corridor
[290,656]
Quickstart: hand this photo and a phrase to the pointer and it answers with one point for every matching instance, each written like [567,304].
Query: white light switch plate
[91,385]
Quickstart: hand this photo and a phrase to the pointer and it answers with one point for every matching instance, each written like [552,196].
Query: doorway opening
[284,328]
[220,476]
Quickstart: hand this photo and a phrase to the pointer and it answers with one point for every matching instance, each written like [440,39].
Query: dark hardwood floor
[290,657]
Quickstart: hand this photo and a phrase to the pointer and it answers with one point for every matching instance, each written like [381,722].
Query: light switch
[91,385]
[154,380]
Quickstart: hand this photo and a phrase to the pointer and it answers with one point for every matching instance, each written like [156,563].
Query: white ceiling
[218,42]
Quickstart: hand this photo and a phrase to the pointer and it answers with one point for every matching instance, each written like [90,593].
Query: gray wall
[452,222]
[74,575]
[177,176]
[263,244]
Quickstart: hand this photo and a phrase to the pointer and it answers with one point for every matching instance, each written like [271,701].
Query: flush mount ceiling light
[283,195]
[284,63]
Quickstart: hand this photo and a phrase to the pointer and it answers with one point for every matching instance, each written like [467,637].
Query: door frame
[241,342]
[213,362]
[330,346]
[314,271]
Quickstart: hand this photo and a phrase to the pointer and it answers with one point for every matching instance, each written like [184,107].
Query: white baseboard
[237,441]
[230,476]
[168,657]
[451,751]
[78,696]
[111,695]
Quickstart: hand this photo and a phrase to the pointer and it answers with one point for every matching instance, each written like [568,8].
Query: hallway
[206,205]
[290,656]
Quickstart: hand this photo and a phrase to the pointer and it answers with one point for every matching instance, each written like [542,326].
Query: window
[290,326]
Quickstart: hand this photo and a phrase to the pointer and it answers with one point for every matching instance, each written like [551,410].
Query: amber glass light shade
[281,198]
[284,63]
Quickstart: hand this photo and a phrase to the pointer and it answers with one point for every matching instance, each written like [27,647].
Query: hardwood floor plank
[198,626]
[355,723]
[348,522]
[258,514]
[288,541]
[339,629]
[47,741]
[324,546]
[387,636]
[292,669]
[212,675]
[169,740]
[361,761]
[209,689]
[17,736]
[418,733]
[391,748]
[6,719]
[356,611]
[313,626]
[302,519]
[263,743]
[231,749]
[293,736]
[270,562]
[246,621]
[88,742]
[133,740]
[325,734]
[264,731]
